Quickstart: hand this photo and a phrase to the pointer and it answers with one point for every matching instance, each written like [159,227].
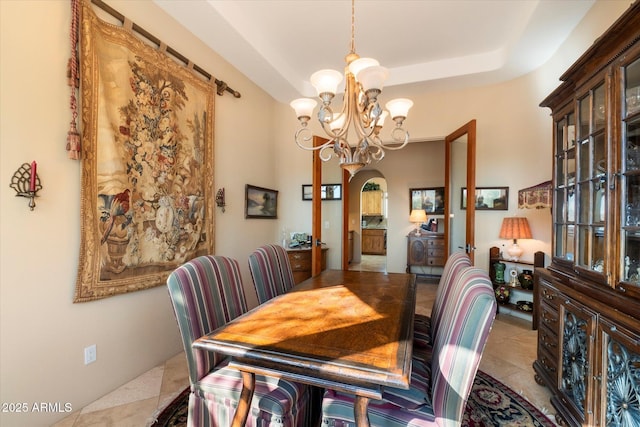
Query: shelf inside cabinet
[518,293]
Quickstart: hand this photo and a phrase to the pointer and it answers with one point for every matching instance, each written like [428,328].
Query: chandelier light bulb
[304,107]
[326,81]
[399,107]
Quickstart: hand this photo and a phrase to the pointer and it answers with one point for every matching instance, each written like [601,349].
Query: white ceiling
[425,44]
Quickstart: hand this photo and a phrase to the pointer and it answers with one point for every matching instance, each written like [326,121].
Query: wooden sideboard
[425,250]
[300,260]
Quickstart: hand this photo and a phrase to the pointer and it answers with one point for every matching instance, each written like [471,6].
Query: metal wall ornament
[26,183]
[220,202]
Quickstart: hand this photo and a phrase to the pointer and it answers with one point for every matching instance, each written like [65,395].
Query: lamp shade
[399,107]
[303,106]
[372,77]
[515,228]
[326,81]
[418,216]
[361,63]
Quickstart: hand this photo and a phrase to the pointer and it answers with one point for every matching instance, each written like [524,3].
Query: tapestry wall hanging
[147,163]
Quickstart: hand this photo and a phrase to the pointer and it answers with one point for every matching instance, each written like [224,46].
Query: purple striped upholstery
[206,293]
[440,386]
[270,271]
[424,327]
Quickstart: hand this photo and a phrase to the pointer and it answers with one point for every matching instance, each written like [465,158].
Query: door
[316,213]
[460,171]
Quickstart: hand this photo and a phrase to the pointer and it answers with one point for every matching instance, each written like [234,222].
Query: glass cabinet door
[576,358]
[591,186]
[564,191]
[630,210]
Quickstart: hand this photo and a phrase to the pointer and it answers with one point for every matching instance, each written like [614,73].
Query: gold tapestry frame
[147,163]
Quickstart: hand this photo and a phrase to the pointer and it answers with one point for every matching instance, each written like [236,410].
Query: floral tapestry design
[147,178]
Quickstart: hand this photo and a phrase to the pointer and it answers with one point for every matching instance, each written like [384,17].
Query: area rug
[491,403]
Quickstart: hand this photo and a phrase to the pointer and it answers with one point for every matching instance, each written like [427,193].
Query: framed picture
[260,202]
[429,199]
[327,192]
[487,198]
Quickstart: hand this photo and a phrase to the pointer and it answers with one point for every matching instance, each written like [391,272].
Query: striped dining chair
[206,293]
[425,327]
[271,272]
[440,386]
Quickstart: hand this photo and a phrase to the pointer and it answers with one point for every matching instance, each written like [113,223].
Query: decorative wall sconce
[26,182]
[220,199]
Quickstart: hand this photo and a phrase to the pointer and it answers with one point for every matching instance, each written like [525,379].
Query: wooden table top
[346,330]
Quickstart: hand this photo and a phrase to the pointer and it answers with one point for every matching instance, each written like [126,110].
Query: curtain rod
[221,86]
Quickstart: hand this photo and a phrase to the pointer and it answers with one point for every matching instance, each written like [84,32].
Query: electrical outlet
[90,354]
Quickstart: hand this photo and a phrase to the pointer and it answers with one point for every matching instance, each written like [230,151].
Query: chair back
[456,262]
[466,319]
[206,293]
[270,271]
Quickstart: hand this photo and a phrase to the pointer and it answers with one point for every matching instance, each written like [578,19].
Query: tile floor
[508,356]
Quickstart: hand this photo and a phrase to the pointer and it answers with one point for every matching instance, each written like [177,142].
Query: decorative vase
[499,268]
[502,294]
[526,279]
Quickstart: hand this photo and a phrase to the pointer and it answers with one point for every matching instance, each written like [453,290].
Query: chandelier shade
[354,130]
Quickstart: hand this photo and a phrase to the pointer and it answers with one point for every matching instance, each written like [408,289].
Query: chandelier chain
[353,26]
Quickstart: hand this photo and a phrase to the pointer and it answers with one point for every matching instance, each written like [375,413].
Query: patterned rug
[491,403]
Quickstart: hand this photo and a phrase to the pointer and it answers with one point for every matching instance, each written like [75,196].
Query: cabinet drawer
[438,243]
[549,363]
[549,295]
[433,252]
[301,265]
[300,261]
[548,340]
[436,262]
[549,317]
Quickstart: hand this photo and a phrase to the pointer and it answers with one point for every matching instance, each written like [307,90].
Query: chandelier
[360,111]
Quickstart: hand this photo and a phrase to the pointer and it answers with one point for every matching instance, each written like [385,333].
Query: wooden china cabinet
[588,299]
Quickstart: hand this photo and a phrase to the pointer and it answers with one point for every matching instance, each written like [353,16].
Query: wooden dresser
[588,298]
[300,260]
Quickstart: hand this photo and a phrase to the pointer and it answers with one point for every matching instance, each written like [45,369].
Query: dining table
[350,331]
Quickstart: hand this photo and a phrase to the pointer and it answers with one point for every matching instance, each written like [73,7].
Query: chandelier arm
[326,151]
[402,140]
[342,150]
[354,107]
[304,135]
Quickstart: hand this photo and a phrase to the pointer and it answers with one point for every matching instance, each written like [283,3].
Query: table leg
[360,410]
[244,404]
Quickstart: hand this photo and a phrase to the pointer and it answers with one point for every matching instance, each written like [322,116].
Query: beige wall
[43,334]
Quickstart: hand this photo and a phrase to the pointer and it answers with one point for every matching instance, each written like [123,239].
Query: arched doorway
[372,255]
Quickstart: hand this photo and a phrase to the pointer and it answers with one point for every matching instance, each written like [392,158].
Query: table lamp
[515,228]
[418,216]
